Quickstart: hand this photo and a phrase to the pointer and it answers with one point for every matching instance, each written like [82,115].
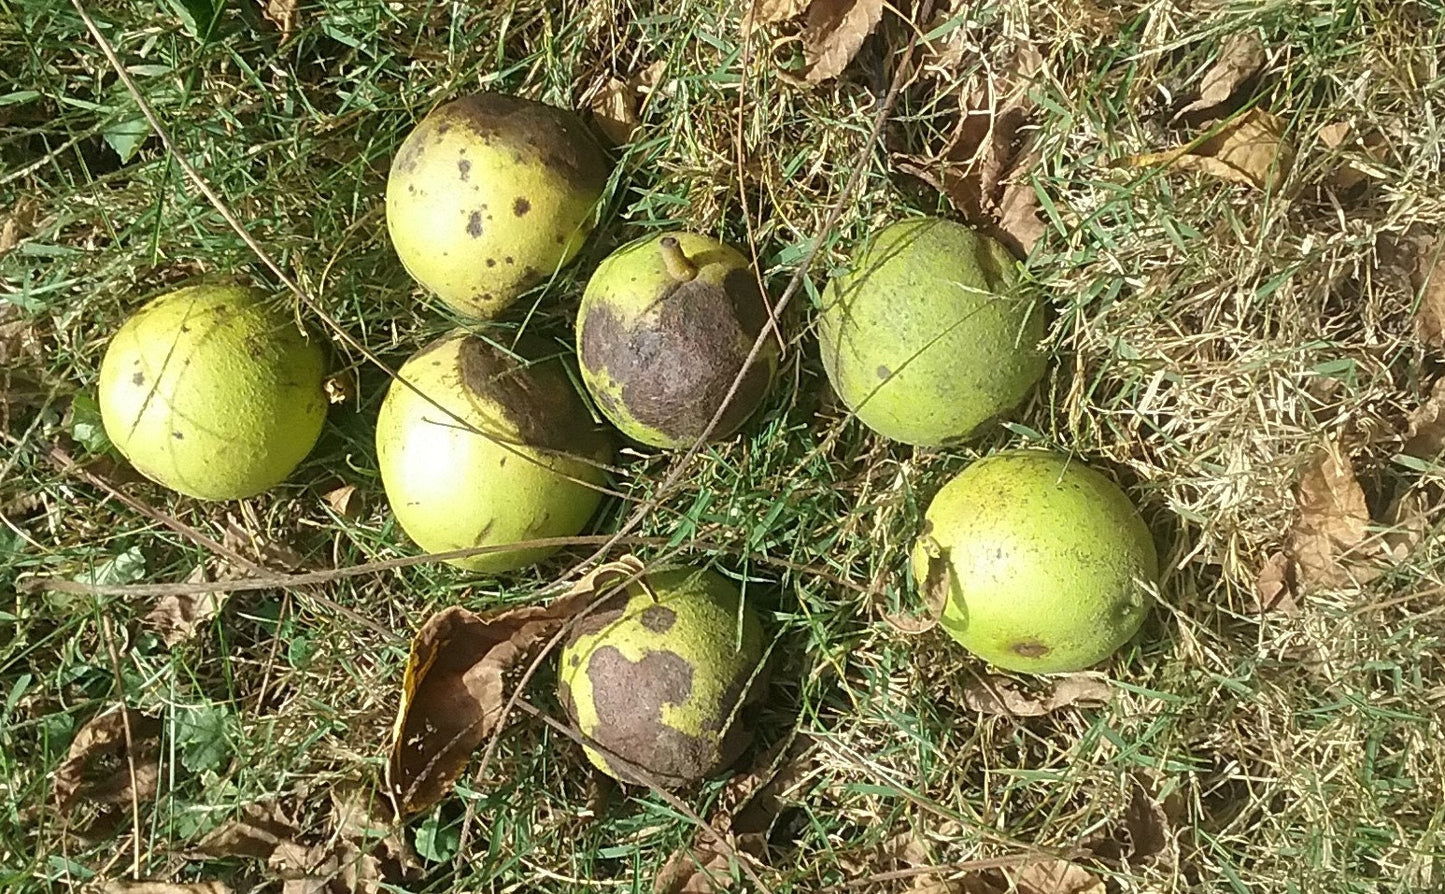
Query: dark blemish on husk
[502,463]
[474,224]
[509,259]
[1030,648]
[884,372]
[178,436]
[629,698]
[675,371]
[410,156]
[465,168]
[491,262]
[532,131]
[138,379]
[537,399]
[443,127]
[658,618]
[521,206]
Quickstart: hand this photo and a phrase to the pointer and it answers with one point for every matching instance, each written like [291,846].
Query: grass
[1205,339]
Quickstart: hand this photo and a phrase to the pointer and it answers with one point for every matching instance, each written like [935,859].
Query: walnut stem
[678,265]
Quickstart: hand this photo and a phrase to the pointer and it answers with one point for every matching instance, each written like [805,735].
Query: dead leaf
[256,833]
[614,108]
[1371,149]
[834,32]
[1248,149]
[282,14]
[128,887]
[1428,280]
[1241,57]
[454,688]
[1149,823]
[1333,519]
[982,169]
[934,590]
[995,694]
[745,811]
[767,12]
[1057,877]
[1274,588]
[108,767]
[341,386]
[18,223]
[345,501]
[268,551]
[1407,521]
[1018,214]
[177,617]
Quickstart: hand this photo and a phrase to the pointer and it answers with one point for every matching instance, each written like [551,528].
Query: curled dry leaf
[982,169]
[934,590]
[1426,437]
[1249,148]
[833,32]
[17,224]
[1274,588]
[345,501]
[129,887]
[617,107]
[282,14]
[454,687]
[767,12]
[1362,164]
[1429,282]
[745,811]
[1241,57]
[177,617]
[114,759]
[995,694]
[1333,519]
[1043,877]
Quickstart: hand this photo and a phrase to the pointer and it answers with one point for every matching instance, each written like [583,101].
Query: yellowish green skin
[489,195]
[212,393]
[658,351]
[1048,564]
[930,337]
[501,453]
[659,675]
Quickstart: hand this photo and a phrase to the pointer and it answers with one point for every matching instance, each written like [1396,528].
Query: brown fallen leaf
[744,812]
[114,759]
[767,12]
[454,688]
[1333,519]
[1043,877]
[256,833]
[177,617]
[1249,148]
[1019,223]
[1274,588]
[282,14]
[17,224]
[345,501]
[982,169]
[1428,280]
[270,552]
[615,110]
[934,591]
[1057,877]
[128,887]
[995,694]
[1241,57]
[833,33]
[1426,435]
[1371,148]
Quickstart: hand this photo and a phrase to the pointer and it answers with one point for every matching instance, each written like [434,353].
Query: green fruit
[493,450]
[664,327]
[491,194]
[930,337]
[213,393]
[659,675]
[1047,564]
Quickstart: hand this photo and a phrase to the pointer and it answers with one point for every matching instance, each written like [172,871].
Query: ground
[1245,359]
